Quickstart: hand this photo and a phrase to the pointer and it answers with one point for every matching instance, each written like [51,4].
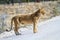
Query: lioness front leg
[35,27]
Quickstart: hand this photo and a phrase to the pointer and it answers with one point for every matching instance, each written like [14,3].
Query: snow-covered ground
[47,30]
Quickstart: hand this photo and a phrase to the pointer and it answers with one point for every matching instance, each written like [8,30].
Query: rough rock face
[8,11]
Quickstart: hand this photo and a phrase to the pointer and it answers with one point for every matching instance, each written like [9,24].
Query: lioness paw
[17,33]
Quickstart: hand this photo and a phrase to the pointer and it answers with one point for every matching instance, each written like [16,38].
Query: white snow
[47,30]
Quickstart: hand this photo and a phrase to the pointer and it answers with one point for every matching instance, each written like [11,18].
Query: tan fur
[26,19]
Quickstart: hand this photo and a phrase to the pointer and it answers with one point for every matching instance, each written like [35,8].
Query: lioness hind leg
[16,31]
[16,28]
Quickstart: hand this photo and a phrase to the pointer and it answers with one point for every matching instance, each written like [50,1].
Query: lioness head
[42,11]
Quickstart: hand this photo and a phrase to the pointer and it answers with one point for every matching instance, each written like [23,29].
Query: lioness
[26,19]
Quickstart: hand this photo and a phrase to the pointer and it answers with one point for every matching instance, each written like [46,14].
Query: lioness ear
[42,11]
